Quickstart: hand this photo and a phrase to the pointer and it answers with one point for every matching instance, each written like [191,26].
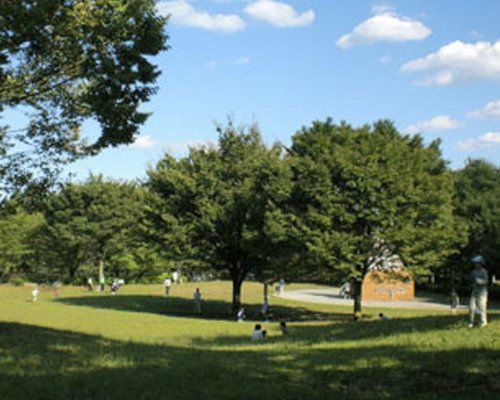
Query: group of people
[114,285]
[259,333]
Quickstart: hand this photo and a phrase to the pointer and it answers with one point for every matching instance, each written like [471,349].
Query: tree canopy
[222,206]
[477,203]
[360,192]
[63,62]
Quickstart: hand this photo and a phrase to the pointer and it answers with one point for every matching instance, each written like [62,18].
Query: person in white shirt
[241,315]
[257,332]
[175,276]
[34,294]
[168,284]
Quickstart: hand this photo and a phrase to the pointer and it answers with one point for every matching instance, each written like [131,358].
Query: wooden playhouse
[388,281]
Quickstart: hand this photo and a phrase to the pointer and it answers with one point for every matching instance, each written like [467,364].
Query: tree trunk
[357,293]
[101,272]
[266,290]
[237,282]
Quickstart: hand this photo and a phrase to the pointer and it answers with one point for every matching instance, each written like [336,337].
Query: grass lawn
[139,345]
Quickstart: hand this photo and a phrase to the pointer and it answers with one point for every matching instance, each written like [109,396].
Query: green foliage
[363,192]
[94,222]
[64,62]
[17,281]
[477,203]
[221,207]
[18,232]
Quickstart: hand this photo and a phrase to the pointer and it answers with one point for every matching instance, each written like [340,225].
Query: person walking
[197,301]
[479,294]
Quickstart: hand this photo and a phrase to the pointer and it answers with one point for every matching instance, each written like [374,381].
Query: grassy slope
[138,345]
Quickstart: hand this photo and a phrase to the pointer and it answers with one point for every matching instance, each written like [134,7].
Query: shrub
[17,281]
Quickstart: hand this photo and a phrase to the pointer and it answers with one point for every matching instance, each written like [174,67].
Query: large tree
[362,192]
[63,62]
[478,203]
[95,225]
[222,206]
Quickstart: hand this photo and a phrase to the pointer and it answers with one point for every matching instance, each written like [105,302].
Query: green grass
[138,345]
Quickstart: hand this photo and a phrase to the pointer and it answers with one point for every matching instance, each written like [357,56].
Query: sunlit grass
[140,345]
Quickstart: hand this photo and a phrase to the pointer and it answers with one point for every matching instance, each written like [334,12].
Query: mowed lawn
[139,345]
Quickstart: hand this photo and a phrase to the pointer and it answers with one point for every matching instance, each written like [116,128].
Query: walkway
[332,296]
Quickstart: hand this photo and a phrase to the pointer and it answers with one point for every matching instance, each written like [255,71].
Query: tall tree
[360,192]
[95,223]
[18,232]
[63,62]
[478,204]
[221,206]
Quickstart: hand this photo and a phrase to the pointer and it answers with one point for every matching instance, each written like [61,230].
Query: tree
[362,192]
[221,206]
[478,204]
[63,62]
[18,231]
[95,224]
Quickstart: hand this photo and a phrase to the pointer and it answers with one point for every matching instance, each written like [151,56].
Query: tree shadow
[211,309]
[349,330]
[40,363]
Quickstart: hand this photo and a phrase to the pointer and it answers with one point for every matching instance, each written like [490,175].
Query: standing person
[102,283]
[241,315]
[197,301]
[479,294]
[455,301]
[282,286]
[34,294]
[55,287]
[175,276]
[90,284]
[168,285]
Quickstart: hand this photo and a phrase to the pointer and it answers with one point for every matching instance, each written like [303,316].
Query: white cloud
[279,14]
[143,142]
[490,110]
[459,62]
[438,123]
[385,26]
[489,139]
[243,60]
[183,13]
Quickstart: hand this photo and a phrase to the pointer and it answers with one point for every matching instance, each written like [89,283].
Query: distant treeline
[324,208]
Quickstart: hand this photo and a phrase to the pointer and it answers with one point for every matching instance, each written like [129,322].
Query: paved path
[332,296]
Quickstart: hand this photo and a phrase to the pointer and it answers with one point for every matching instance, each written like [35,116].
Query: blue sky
[430,66]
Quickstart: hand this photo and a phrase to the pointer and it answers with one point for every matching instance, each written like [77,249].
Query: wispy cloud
[436,124]
[279,14]
[384,26]
[458,62]
[183,13]
[487,140]
[490,110]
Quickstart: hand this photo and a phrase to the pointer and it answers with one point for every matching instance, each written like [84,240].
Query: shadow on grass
[182,307]
[40,363]
[348,330]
